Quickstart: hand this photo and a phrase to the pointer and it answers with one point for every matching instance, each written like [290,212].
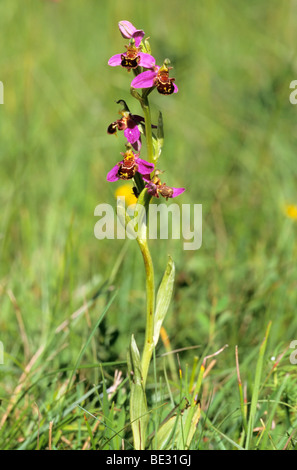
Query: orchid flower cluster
[148,76]
[147,184]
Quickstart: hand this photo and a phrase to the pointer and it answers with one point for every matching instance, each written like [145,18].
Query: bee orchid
[129,124]
[155,188]
[132,58]
[156,77]
[129,166]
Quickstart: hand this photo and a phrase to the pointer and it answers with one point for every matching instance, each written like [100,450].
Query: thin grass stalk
[169,354]
[255,396]
[268,425]
[241,397]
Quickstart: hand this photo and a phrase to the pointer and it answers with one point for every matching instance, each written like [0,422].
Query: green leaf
[190,420]
[160,130]
[173,432]
[166,433]
[147,46]
[163,298]
[138,405]
[256,389]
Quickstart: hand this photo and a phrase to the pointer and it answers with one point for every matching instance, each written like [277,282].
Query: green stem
[142,241]
[148,128]
[149,268]
[150,293]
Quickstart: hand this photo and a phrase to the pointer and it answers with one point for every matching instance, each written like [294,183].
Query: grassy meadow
[69,302]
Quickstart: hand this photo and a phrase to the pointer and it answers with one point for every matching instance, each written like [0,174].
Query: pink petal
[115,60]
[132,133]
[144,167]
[146,60]
[151,187]
[128,31]
[144,79]
[177,191]
[137,36]
[146,178]
[137,145]
[175,88]
[113,174]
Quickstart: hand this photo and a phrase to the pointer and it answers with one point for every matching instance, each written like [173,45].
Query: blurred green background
[230,139]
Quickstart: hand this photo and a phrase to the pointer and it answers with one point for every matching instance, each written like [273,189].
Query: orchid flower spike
[127,168]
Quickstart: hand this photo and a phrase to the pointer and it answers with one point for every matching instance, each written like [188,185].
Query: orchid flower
[132,58]
[155,187]
[156,77]
[129,166]
[129,124]
[128,31]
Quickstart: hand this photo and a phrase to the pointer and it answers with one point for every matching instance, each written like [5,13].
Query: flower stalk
[150,309]
[142,209]
[148,128]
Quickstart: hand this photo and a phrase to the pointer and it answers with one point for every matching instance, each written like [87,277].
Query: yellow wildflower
[125,190]
[291,211]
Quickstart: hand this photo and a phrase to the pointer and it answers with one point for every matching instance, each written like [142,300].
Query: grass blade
[255,396]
